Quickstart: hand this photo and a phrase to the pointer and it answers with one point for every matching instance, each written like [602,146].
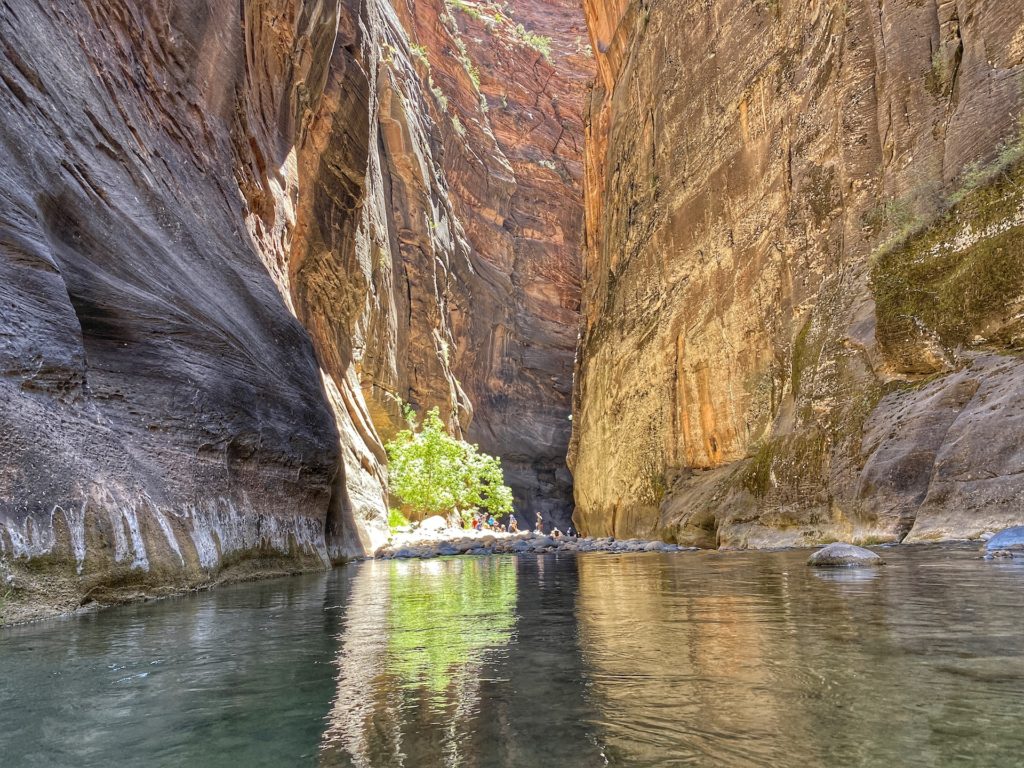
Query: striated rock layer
[804,274]
[230,242]
[162,411]
[508,82]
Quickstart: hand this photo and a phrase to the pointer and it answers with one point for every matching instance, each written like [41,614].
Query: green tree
[433,473]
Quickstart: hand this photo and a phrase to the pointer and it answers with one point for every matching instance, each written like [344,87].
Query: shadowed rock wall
[801,283]
[228,246]
[162,411]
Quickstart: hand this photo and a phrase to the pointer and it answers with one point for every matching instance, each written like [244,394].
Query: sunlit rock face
[233,237]
[802,272]
[505,86]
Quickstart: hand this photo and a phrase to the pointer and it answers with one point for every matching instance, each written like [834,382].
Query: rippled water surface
[636,660]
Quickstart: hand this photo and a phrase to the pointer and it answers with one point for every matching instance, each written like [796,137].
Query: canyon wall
[229,245]
[804,272]
[509,107]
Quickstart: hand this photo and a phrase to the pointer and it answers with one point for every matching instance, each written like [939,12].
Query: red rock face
[513,83]
[234,236]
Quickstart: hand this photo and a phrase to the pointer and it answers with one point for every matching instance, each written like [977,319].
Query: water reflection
[415,640]
[755,659]
[740,659]
[237,676]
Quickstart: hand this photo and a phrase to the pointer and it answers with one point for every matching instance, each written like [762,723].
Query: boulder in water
[1009,542]
[840,555]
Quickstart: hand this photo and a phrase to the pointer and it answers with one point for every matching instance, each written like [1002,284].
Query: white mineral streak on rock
[140,559]
[74,516]
[218,529]
[207,548]
[121,546]
[29,538]
[165,526]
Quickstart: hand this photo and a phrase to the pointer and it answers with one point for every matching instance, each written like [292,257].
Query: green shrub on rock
[433,473]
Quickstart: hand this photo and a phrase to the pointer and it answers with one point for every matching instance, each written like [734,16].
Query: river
[716,659]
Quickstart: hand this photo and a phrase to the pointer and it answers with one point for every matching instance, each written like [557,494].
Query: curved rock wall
[162,411]
[232,236]
[800,286]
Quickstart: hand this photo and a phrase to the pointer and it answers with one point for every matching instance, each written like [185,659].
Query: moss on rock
[959,282]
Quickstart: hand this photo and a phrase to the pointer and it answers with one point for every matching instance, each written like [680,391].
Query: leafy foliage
[433,473]
[539,43]
[396,519]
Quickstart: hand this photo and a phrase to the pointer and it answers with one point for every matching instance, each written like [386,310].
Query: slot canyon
[511,383]
[728,274]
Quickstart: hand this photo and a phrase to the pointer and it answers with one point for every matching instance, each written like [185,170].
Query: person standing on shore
[540,524]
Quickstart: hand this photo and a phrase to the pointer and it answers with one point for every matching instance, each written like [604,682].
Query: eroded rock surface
[509,83]
[161,411]
[232,237]
[803,276]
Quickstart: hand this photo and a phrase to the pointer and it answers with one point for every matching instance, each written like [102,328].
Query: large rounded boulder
[1007,543]
[841,555]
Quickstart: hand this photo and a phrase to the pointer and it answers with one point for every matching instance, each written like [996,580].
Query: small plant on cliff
[470,9]
[442,100]
[980,174]
[433,473]
[419,51]
[539,43]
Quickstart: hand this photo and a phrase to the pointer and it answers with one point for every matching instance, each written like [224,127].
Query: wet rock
[841,555]
[1006,543]
[450,542]
[409,552]
[1009,539]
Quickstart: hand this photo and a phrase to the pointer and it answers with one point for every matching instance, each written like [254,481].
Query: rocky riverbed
[456,541]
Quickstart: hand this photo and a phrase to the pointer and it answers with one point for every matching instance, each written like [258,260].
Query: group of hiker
[485,521]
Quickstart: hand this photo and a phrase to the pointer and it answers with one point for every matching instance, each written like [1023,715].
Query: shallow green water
[641,660]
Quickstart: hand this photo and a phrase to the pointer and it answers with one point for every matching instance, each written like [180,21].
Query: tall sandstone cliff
[804,271]
[232,237]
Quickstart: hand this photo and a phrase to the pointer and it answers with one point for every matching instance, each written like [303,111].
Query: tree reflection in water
[416,637]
